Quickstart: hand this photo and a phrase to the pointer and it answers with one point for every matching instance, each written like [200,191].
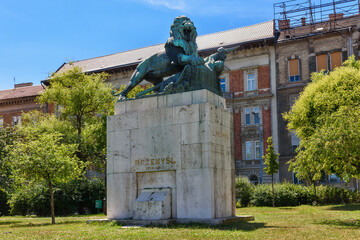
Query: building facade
[248,83]
[305,46]
[20,99]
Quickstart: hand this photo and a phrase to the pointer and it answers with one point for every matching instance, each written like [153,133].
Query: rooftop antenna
[14,82]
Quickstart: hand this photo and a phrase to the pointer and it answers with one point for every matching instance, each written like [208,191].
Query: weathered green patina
[181,63]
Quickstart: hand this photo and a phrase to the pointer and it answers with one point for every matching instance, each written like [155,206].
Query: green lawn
[303,222]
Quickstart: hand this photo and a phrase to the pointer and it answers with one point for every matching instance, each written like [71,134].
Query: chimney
[19,85]
[284,24]
[337,16]
[303,21]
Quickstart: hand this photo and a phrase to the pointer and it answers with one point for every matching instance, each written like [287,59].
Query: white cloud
[171,4]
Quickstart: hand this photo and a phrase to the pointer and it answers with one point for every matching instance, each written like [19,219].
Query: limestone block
[121,161]
[198,132]
[153,204]
[138,105]
[191,156]
[159,141]
[118,141]
[174,100]
[119,108]
[195,193]
[121,193]
[223,193]
[122,122]
[186,114]
[155,117]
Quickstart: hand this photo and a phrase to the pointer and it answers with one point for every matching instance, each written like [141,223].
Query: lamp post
[261,161]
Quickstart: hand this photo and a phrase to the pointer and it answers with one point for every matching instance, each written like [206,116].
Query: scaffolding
[294,13]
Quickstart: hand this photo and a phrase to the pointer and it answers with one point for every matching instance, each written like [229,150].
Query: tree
[83,101]
[272,165]
[326,117]
[40,155]
[7,137]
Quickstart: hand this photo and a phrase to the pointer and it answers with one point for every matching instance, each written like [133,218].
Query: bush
[4,206]
[335,195]
[288,194]
[74,197]
[243,191]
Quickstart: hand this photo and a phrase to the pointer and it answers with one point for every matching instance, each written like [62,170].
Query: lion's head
[183,34]
[183,28]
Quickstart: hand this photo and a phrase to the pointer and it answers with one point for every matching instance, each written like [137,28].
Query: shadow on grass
[346,207]
[22,224]
[353,223]
[242,226]
[9,222]
[286,208]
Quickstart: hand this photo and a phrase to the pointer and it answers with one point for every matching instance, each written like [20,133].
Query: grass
[302,222]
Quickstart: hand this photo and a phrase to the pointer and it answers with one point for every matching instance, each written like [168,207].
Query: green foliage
[71,197]
[326,117]
[243,191]
[43,157]
[4,206]
[83,101]
[7,137]
[272,166]
[288,194]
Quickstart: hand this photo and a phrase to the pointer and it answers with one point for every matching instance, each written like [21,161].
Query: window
[252,115]
[295,142]
[248,150]
[335,58]
[247,116]
[296,180]
[250,82]
[257,149]
[254,179]
[1,121]
[321,62]
[294,70]
[256,115]
[334,179]
[16,120]
[223,84]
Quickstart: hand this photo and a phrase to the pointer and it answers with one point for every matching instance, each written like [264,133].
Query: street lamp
[261,162]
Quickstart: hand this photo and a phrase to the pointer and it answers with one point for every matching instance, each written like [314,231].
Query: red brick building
[13,102]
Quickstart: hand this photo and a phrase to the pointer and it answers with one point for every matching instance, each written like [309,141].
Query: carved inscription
[154,164]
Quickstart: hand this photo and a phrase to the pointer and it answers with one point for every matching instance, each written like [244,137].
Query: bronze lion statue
[180,50]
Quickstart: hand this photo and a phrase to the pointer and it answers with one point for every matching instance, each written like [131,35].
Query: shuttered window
[335,60]
[321,62]
[294,70]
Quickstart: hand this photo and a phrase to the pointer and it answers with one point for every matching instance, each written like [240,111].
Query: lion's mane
[177,38]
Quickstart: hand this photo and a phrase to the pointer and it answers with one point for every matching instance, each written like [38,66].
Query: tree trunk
[272,186]
[315,192]
[52,203]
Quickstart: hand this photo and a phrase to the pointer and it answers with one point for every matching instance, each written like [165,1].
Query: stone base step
[209,221]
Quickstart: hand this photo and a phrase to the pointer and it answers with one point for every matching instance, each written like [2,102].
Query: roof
[241,35]
[20,92]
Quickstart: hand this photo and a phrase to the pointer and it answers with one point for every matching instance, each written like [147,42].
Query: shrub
[243,191]
[74,197]
[4,206]
[286,194]
[336,195]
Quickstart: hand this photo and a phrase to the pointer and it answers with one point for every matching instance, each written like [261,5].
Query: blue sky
[38,36]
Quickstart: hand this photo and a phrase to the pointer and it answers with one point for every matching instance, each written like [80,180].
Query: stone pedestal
[177,147]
